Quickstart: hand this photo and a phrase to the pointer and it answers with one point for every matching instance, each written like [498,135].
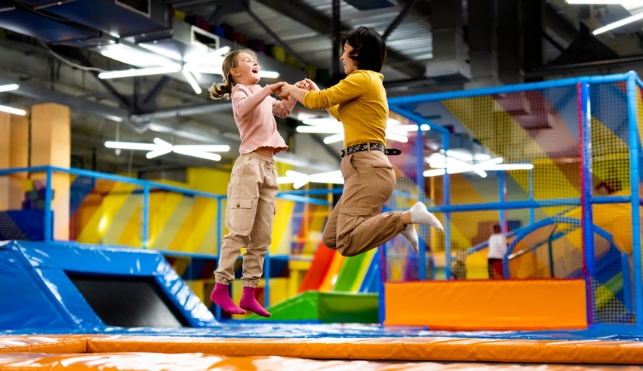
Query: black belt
[373,147]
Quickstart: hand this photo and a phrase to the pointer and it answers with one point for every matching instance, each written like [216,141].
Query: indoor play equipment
[571,274]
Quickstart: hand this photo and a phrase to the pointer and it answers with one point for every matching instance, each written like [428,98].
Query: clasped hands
[284,90]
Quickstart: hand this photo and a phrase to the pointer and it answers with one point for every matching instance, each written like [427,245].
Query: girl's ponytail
[220,90]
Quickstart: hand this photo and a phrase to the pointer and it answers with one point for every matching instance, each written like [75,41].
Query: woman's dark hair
[369,50]
[496,228]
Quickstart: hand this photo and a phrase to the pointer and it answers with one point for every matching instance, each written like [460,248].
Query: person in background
[497,249]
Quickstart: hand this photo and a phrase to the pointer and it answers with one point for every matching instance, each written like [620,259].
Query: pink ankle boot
[221,297]
[248,302]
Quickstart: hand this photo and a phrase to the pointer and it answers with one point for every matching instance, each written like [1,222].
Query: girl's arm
[282,108]
[244,102]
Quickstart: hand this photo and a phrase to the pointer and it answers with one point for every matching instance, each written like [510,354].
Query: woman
[356,224]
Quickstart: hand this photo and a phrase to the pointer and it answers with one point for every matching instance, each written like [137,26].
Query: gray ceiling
[176,113]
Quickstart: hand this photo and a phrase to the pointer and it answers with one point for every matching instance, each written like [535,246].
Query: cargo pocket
[240,217]
[381,165]
[350,218]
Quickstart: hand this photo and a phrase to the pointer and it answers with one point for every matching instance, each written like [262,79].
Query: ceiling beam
[400,17]
[321,22]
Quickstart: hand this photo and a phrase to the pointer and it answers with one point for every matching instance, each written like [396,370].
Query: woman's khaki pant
[251,208]
[356,224]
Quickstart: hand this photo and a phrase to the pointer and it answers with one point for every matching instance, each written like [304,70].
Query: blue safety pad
[24,304]
[276,330]
[39,269]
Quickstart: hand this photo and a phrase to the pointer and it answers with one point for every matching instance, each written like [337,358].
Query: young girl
[253,183]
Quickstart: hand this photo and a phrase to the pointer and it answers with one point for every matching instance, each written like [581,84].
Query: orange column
[18,157]
[51,145]
[5,137]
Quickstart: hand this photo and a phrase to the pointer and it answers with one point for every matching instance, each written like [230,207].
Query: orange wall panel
[488,304]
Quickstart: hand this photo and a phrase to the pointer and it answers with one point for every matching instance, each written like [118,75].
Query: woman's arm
[349,88]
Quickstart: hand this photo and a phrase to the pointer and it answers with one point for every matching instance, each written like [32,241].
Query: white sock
[420,215]
[411,235]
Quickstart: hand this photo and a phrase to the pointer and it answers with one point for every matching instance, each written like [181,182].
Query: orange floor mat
[444,349]
[201,362]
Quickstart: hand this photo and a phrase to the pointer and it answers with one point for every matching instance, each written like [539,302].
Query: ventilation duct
[371,4]
[119,18]
[448,64]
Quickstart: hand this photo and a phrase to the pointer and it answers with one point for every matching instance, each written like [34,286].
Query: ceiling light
[433,172]
[321,121]
[334,138]
[620,23]
[334,129]
[396,137]
[131,145]
[134,56]
[607,2]
[205,155]
[299,180]
[192,81]
[161,147]
[460,162]
[268,74]
[15,111]
[139,72]
[204,147]
[511,167]
[8,87]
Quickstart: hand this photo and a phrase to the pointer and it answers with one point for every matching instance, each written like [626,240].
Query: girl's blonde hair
[224,89]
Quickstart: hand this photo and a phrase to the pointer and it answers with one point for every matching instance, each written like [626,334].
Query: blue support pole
[381,298]
[446,192]
[587,220]
[634,144]
[501,198]
[266,280]
[145,237]
[49,195]
[419,154]
[532,213]
[627,282]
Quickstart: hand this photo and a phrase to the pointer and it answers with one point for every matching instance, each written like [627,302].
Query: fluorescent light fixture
[511,167]
[321,121]
[433,172]
[139,72]
[8,87]
[134,56]
[114,118]
[204,147]
[461,162]
[205,69]
[335,129]
[404,129]
[620,23]
[205,155]
[192,81]
[15,111]
[132,145]
[334,138]
[607,2]
[162,148]
[299,180]
[396,137]
[268,74]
